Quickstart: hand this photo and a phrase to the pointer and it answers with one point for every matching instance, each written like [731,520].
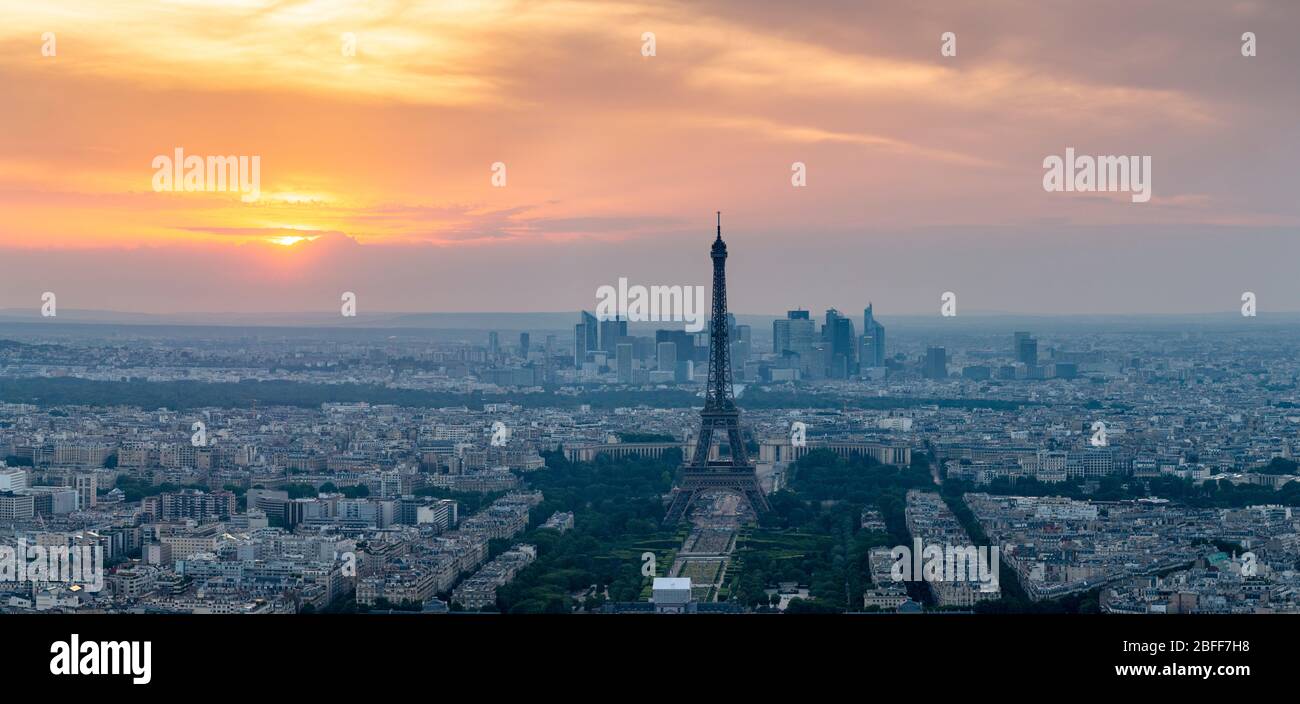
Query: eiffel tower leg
[682,500]
[703,446]
[739,454]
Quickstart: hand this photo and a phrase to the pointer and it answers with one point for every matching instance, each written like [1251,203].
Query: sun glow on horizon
[378,124]
[290,240]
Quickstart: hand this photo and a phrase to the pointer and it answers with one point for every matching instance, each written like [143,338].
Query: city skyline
[1143,471]
[395,315]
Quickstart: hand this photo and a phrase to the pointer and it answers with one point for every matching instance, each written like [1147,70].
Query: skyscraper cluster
[668,357]
[837,352]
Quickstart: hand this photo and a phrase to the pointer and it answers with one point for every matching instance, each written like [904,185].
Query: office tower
[390,485]
[275,503]
[611,331]
[873,340]
[53,500]
[685,371]
[936,363]
[16,507]
[740,347]
[494,342]
[592,327]
[523,344]
[838,339]
[666,357]
[188,503]
[699,346]
[87,487]
[1029,351]
[828,327]
[550,345]
[13,479]
[780,336]
[866,353]
[794,336]
[585,335]
[1091,462]
[643,349]
[682,340]
[845,339]
[1025,348]
[624,355]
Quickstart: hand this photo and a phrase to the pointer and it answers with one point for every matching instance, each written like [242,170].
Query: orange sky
[391,150]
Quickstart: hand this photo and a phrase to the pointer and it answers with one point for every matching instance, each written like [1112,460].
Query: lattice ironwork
[720,415]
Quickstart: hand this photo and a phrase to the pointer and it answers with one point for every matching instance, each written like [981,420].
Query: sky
[924,172]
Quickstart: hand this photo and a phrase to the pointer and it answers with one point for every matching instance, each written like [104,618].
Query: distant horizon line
[34,312]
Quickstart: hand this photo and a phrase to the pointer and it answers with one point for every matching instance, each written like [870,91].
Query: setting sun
[289,240]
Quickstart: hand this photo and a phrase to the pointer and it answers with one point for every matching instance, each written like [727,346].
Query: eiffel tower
[720,415]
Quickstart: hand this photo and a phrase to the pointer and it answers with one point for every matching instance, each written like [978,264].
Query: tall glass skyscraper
[838,338]
[794,334]
[585,338]
[611,331]
[873,340]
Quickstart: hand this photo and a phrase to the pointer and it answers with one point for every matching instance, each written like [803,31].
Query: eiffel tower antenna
[720,415]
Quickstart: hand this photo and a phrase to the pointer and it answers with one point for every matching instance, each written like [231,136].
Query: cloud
[392,148]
